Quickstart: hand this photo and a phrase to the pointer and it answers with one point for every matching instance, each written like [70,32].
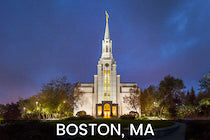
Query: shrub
[134,113]
[33,116]
[81,113]
[187,111]
[142,118]
[127,117]
[70,119]
[85,117]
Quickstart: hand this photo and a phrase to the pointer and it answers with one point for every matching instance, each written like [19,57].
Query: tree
[190,97]
[190,108]
[171,91]
[188,111]
[149,101]
[205,83]
[203,97]
[133,99]
[29,107]
[187,98]
[2,109]
[11,112]
[55,100]
[204,88]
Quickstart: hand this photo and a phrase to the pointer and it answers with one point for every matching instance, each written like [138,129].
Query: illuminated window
[107,85]
[106,107]
[107,110]
[114,110]
[99,110]
[108,94]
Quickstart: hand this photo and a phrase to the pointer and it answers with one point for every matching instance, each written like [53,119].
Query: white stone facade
[106,88]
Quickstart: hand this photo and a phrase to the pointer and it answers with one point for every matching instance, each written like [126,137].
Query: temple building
[105,97]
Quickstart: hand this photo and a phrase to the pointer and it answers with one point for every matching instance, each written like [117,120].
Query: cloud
[40,40]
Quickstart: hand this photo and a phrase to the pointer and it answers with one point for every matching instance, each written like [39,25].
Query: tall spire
[106,35]
[107,43]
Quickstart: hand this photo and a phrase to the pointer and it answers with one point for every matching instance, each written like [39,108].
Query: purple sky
[40,40]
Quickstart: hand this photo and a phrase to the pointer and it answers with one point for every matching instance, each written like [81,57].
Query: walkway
[178,134]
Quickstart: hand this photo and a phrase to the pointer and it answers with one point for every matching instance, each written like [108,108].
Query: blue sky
[40,40]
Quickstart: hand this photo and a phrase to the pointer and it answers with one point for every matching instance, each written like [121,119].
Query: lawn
[123,122]
[46,129]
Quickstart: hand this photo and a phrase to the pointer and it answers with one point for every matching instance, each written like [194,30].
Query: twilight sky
[40,40]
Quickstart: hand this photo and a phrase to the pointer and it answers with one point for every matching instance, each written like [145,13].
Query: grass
[46,130]
[1,120]
[124,123]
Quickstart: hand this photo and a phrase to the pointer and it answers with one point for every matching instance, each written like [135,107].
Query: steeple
[107,43]
[106,35]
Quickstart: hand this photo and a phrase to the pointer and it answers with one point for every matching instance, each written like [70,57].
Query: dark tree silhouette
[171,91]
[11,112]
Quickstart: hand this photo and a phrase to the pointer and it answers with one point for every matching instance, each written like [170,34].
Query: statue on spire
[107,16]
[106,35]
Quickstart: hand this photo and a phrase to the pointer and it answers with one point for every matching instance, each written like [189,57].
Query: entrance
[107,110]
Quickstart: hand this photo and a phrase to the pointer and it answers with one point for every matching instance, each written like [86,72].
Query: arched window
[106,48]
[107,110]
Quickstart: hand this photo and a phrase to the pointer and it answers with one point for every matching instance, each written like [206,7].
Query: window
[107,110]
[107,85]
[114,110]
[99,110]
[106,48]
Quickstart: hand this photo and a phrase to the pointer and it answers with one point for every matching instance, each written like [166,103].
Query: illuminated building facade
[104,97]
